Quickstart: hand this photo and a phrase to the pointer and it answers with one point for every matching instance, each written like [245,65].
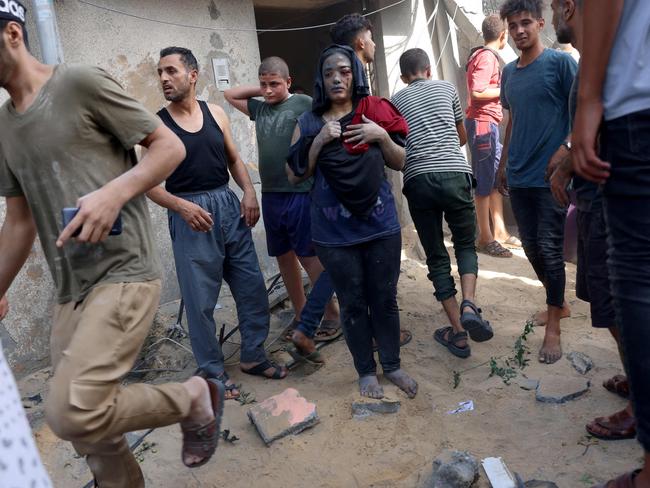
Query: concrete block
[580,361]
[281,415]
[454,469]
[527,383]
[559,389]
[365,407]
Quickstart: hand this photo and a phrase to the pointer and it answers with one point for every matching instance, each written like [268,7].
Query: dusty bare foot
[551,349]
[304,344]
[540,319]
[201,412]
[403,381]
[369,387]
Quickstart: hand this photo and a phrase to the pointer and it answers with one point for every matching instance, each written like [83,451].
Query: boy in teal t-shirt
[285,207]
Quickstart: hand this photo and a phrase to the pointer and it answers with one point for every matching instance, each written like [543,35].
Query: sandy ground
[538,441]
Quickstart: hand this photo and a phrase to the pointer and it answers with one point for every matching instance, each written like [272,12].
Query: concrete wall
[128,48]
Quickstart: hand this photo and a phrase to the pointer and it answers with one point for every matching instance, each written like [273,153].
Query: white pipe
[48,32]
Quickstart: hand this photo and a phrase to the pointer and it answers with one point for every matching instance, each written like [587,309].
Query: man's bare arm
[196,217]
[16,239]
[502,181]
[250,209]
[462,133]
[600,21]
[238,96]
[99,209]
[487,94]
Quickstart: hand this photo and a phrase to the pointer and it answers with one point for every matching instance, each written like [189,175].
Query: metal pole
[48,32]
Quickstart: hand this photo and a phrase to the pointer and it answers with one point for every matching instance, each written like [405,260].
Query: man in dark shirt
[592,277]
[209,227]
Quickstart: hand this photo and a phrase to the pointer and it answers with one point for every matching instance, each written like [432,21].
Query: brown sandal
[618,385]
[620,425]
[203,440]
[495,249]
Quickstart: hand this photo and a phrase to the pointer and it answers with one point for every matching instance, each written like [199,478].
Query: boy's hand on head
[367,132]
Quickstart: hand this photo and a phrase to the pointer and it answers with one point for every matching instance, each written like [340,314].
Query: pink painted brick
[282,415]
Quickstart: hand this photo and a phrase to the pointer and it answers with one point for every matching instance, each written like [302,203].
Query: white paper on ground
[462,407]
[498,473]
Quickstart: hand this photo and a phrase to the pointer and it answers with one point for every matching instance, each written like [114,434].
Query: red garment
[483,72]
[383,113]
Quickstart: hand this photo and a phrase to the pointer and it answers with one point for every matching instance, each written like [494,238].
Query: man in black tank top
[210,228]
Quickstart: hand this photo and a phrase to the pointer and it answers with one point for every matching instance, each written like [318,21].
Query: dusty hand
[559,181]
[196,217]
[365,133]
[559,158]
[330,131]
[4,307]
[97,214]
[250,210]
[586,162]
[502,182]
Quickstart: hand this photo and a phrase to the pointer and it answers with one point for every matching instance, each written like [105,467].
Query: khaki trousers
[94,344]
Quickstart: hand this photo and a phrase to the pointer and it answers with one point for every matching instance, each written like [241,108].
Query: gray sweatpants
[203,260]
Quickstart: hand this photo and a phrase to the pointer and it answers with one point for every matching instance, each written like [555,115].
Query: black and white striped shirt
[432,110]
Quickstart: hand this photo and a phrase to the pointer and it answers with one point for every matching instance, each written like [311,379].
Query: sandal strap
[470,304]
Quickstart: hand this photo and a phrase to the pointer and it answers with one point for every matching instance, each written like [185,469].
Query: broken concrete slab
[285,414]
[559,389]
[580,361]
[527,383]
[453,469]
[365,407]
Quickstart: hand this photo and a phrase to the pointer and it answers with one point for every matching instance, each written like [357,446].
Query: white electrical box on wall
[221,73]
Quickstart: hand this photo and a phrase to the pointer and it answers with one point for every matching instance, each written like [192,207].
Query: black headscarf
[321,102]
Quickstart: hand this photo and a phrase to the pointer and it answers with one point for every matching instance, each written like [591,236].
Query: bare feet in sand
[201,412]
[369,387]
[304,345]
[551,350]
[540,319]
[403,381]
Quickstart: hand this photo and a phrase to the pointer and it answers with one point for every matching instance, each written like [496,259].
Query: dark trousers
[541,228]
[626,145]
[432,196]
[365,280]
[203,261]
[314,309]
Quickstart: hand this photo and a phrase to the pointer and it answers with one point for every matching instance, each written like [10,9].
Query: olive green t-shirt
[77,136]
[274,125]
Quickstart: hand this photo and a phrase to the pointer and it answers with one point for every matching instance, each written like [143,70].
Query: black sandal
[263,366]
[479,330]
[450,339]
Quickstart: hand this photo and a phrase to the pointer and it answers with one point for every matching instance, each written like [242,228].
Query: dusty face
[563,31]
[274,87]
[524,30]
[175,79]
[337,77]
[367,46]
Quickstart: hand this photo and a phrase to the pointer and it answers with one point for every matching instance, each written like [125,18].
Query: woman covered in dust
[346,142]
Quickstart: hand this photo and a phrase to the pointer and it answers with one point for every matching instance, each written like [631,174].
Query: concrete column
[48,31]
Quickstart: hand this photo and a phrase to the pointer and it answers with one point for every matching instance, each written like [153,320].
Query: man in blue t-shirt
[535,91]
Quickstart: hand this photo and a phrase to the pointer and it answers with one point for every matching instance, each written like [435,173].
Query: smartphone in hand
[68,214]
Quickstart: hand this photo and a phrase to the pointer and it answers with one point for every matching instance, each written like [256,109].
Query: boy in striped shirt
[437,183]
